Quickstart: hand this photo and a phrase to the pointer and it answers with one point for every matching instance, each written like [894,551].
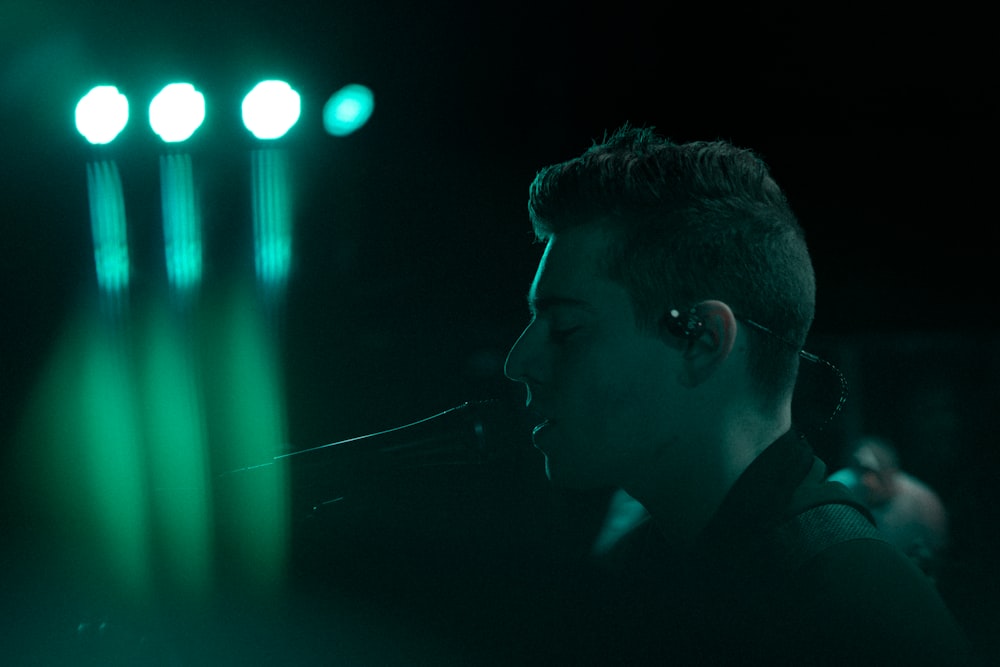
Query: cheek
[620,397]
[610,413]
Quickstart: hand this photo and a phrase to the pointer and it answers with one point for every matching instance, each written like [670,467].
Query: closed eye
[561,335]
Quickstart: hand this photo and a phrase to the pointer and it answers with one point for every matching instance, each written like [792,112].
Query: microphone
[475,433]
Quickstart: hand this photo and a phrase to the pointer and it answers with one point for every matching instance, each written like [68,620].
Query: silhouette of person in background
[907,511]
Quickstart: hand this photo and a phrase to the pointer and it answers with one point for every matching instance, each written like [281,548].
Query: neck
[683,488]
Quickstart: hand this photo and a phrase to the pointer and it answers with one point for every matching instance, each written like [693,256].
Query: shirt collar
[761,495]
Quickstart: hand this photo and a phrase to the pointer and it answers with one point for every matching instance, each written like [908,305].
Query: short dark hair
[692,221]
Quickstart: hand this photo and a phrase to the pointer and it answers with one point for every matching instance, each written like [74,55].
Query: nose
[518,364]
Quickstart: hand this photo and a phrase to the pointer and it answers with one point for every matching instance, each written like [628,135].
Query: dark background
[412,245]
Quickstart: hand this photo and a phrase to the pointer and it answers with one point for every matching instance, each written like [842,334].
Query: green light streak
[249,428]
[84,437]
[118,448]
[181,222]
[112,438]
[176,438]
[272,218]
[107,223]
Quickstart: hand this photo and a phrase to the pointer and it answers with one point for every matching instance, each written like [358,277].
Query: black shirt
[789,571]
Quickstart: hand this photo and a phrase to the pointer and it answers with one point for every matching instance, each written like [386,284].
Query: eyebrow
[538,305]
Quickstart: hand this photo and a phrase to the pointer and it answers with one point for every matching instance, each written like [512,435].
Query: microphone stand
[474,434]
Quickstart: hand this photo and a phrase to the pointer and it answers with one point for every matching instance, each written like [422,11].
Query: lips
[540,435]
[544,420]
[541,415]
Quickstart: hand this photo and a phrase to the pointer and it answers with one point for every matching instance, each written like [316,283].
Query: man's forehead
[573,254]
[561,280]
[540,304]
[570,273]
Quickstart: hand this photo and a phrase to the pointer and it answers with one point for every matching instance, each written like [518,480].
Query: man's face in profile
[603,386]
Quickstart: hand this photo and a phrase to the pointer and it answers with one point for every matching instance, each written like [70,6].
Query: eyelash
[560,335]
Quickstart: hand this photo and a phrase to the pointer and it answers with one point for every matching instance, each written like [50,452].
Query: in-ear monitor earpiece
[686,325]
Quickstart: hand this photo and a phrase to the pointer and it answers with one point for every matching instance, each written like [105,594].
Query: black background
[412,245]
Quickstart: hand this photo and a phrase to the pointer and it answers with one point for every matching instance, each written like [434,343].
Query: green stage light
[272,215]
[271,109]
[348,109]
[108,226]
[176,112]
[101,114]
[181,222]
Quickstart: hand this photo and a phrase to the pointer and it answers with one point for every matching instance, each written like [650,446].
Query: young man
[668,313]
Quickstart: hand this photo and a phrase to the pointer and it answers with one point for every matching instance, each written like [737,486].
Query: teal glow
[250,423]
[101,114]
[181,222]
[107,222]
[272,218]
[119,442]
[174,426]
[84,436]
[176,112]
[271,109]
[348,109]
[114,463]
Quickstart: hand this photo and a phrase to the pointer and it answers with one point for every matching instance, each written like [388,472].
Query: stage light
[348,109]
[176,112]
[101,114]
[108,226]
[181,222]
[271,109]
[272,215]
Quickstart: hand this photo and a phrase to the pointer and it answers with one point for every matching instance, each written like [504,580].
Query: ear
[705,353]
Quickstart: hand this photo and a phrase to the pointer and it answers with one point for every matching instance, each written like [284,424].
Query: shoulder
[863,597]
